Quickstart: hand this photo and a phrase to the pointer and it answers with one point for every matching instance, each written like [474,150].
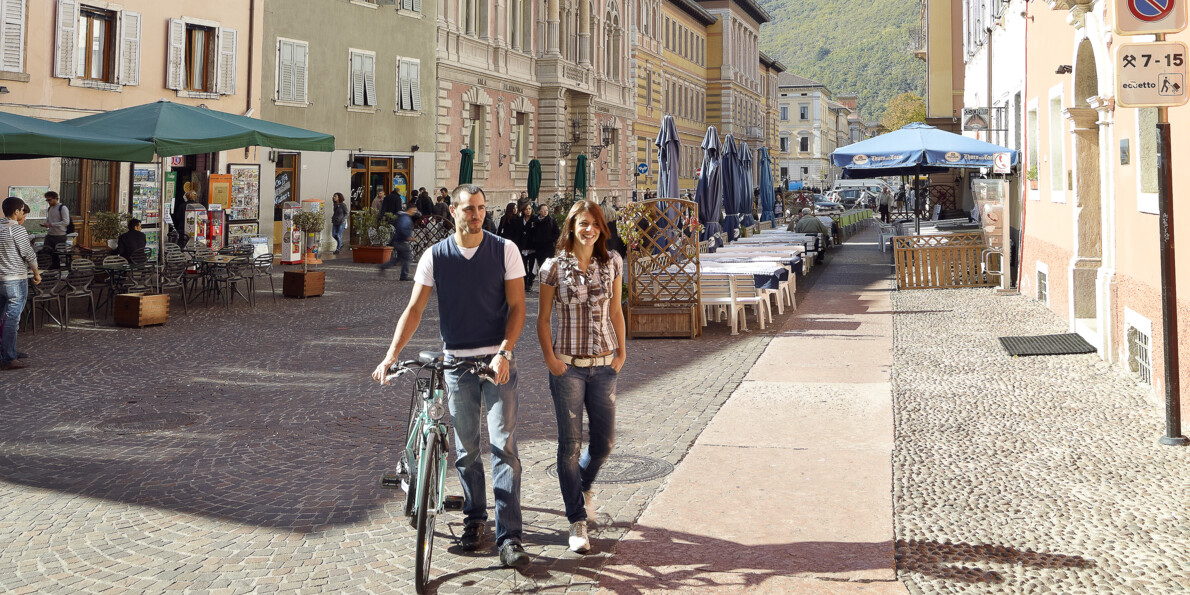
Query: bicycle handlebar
[399,369]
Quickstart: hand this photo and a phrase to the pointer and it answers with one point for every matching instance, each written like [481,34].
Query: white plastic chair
[717,294]
[746,294]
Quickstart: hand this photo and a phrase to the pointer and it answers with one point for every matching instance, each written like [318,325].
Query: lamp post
[561,174]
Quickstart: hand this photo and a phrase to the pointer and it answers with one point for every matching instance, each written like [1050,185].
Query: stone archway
[1088,216]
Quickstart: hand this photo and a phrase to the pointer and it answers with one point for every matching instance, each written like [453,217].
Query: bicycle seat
[429,357]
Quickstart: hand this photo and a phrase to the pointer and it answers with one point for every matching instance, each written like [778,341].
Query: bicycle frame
[425,430]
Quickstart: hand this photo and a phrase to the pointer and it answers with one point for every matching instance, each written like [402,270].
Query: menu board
[245,192]
[146,193]
[239,232]
[153,241]
[220,190]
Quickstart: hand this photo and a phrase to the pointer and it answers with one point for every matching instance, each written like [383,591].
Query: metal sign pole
[1169,287]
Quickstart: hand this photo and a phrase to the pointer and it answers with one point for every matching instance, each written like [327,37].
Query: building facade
[66,59]
[335,67]
[811,125]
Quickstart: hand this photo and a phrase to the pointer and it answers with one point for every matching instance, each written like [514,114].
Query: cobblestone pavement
[1030,474]
[237,450]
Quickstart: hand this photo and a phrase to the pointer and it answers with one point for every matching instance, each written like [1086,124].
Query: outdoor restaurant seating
[173,275]
[226,278]
[77,285]
[262,267]
[717,294]
[41,297]
[747,294]
[108,287]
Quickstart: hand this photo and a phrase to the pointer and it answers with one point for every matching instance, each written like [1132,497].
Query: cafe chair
[77,285]
[262,267]
[227,279]
[113,283]
[717,296]
[746,294]
[41,296]
[174,276]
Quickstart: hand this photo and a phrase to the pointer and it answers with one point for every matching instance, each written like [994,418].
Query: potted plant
[1032,176]
[306,283]
[106,226]
[374,230]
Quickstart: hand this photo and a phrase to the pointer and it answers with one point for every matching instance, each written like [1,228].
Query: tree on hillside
[903,109]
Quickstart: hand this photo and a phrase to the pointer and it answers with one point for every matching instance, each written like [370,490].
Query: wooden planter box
[303,285]
[371,254]
[141,309]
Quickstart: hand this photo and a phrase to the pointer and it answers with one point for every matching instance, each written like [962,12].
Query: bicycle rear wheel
[427,487]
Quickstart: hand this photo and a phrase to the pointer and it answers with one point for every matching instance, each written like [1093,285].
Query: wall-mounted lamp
[351,159]
[415,148]
[500,159]
[1064,69]
[273,156]
[3,89]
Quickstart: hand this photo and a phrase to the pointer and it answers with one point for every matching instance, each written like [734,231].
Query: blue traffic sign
[1151,10]
[642,168]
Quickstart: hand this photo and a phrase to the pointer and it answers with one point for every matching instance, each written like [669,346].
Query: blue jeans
[337,233]
[402,253]
[469,397]
[595,390]
[13,295]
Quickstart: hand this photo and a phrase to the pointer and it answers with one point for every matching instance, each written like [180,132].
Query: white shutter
[300,51]
[370,80]
[175,59]
[226,66]
[285,86]
[404,95]
[417,6]
[357,79]
[415,84]
[130,48]
[64,46]
[406,4]
[12,35]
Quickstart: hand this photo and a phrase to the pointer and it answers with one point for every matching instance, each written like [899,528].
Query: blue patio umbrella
[709,191]
[668,148]
[746,184]
[731,189]
[767,198]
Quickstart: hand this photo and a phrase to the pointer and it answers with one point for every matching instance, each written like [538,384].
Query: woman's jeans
[337,233]
[470,397]
[12,300]
[593,389]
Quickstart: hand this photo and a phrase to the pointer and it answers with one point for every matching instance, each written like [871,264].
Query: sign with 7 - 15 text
[1151,74]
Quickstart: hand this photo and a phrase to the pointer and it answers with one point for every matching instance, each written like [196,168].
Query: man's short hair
[806,210]
[11,205]
[51,194]
[133,223]
[463,192]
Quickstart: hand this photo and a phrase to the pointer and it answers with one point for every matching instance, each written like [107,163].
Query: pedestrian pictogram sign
[1151,74]
[1142,17]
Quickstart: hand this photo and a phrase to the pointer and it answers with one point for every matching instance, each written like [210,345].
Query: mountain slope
[854,47]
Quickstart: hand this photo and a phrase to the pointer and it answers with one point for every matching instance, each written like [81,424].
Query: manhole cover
[148,422]
[627,469]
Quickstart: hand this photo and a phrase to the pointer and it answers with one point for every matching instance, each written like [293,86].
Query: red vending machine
[291,239]
[196,224]
[216,224]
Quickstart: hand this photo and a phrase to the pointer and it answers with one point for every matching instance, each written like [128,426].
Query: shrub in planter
[306,283]
[374,230]
[106,226]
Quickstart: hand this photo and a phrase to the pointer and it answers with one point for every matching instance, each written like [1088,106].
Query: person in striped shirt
[16,260]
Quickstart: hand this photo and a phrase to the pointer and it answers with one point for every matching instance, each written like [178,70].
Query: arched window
[613,36]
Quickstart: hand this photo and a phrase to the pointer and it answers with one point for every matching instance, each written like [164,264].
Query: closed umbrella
[668,149]
[731,189]
[767,197]
[466,165]
[709,191]
[534,179]
[746,184]
[580,177]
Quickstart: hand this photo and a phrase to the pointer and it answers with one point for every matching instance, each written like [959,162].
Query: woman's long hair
[567,238]
[510,212]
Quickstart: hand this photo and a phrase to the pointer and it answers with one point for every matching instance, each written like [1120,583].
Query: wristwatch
[507,355]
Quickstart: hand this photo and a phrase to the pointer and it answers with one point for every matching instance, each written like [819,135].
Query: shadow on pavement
[950,560]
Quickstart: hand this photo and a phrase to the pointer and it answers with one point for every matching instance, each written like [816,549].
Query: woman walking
[338,220]
[585,355]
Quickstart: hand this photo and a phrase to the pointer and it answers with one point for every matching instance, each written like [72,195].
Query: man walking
[481,309]
[402,234]
[57,219]
[16,260]
[545,234]
[885,197]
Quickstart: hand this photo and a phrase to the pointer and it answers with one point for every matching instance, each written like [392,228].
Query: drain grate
[627,469]
[147,422]
[1066,344]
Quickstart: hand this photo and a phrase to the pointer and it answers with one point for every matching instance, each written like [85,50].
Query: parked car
[826,207]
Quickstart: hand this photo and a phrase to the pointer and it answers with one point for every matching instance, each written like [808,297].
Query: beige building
[66,58]
[811,124]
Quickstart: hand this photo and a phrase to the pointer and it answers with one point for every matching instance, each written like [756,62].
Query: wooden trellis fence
[662,268]
[941,261]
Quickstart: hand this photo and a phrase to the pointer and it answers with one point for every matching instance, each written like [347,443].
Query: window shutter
[369,80]
[130,48]
[417,6]
[225,73]
[285,71]
[64,50]
[12,36]
[415,84]
[300,51]
[356,92]
[404,93]
[176,55]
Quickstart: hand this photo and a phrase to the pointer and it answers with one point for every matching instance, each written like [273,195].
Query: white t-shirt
[514,268]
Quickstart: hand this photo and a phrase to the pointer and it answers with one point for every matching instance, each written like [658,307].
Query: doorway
[377,176]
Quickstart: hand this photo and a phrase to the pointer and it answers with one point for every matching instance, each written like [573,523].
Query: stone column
[551,34]
[584,32]
[1087,216]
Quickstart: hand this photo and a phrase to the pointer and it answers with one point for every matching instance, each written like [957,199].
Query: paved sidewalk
[788,490]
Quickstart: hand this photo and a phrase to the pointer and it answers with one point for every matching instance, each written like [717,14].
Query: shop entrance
[377,176]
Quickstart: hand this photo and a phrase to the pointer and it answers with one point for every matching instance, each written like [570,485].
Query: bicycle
[421,468]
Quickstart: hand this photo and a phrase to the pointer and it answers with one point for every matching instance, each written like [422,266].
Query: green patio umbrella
[22,137]
[465,167]
[179,129]
[580,177]
[534,179]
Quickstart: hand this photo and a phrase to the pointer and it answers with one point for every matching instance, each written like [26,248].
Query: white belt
[587,362]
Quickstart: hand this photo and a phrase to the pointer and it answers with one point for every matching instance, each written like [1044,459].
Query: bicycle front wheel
[427,514]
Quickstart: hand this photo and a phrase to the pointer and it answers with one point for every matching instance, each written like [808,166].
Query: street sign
[642,168]
[1151,74]
[975,118]
[1142,17]
[1001,163]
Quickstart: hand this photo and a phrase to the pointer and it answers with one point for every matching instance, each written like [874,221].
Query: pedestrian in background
[425,204]
[545,235]
[57,219]
[16,261]
[402,234]
[884,199]
[378,200]
[525,241]
[338,219]
[584,357]
[509,223]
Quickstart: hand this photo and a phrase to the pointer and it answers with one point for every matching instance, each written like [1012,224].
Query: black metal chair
[174,276]
[41,296]
[226,279]
[262,266]
[77,285]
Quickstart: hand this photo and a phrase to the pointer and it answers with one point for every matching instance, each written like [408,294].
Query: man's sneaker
[589,504]
[513,555]
[472,536]
[578,537]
